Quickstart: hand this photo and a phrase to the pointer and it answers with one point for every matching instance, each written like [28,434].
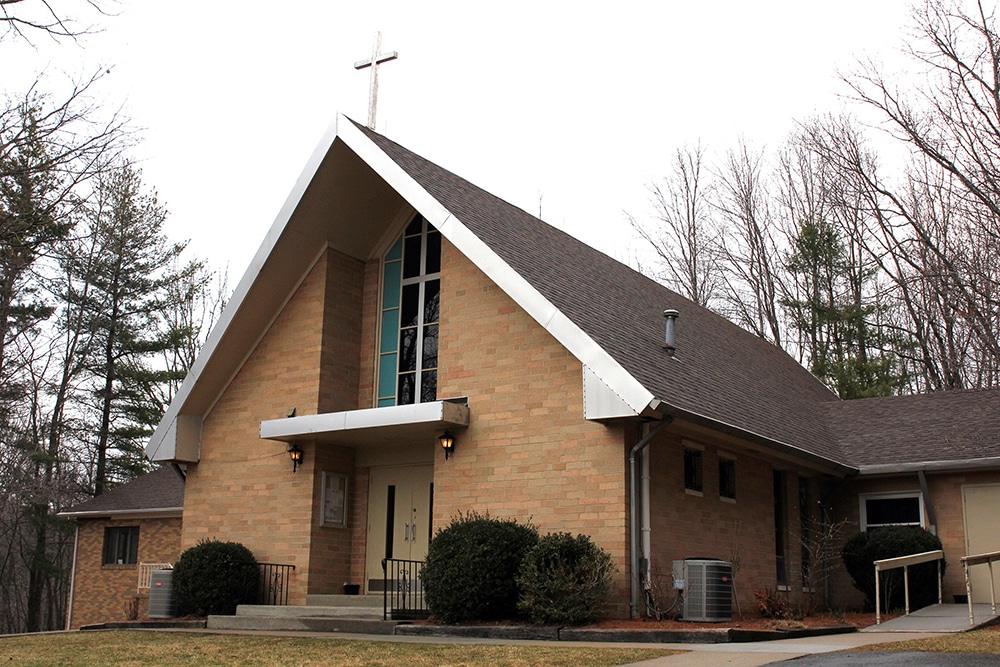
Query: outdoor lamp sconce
[295,454]
[447,443]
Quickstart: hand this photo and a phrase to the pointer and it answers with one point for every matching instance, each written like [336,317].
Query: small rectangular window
[334,500]
[727,478]
[121,545]
[899,509]
[692,470]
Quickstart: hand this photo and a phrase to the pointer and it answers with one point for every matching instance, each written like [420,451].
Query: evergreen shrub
[471,568]
[564,579]
[214,577]
[861,551]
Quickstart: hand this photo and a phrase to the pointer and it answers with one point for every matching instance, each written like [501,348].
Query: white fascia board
[986,463]
[435,412]
[152,513]
[162,445]
[562,328]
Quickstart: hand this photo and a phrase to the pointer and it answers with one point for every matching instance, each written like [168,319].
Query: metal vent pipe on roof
[670,337]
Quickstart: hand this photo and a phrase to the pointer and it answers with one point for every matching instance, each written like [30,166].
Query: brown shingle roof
[720,371]
[162,489]
[942,426]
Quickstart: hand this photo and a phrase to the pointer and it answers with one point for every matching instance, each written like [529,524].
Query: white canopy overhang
[373,426]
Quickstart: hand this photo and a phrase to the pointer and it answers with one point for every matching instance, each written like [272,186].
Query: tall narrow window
[693,480]
[806,537]
[727,478]
[780,527]
[411,287]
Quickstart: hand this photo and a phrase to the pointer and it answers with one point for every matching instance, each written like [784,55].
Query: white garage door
[980,506]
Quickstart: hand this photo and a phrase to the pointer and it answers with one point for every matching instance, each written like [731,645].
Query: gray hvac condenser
[708,589]
[161,594]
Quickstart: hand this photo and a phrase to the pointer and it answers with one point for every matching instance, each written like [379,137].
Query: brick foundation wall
[101,592]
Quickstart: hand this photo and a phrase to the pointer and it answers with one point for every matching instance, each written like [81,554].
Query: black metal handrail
[403,590]
[274,578]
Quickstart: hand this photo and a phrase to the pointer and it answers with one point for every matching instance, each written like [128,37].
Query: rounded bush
[861,551]
[564,579]
[214,577]
[471,568]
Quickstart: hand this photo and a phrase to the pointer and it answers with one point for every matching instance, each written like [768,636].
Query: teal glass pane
[390,330]
[386,402]
[391,284]
[387,376]
[396,251]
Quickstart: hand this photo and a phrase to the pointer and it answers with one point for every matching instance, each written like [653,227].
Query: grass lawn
[986,640]
[174,649]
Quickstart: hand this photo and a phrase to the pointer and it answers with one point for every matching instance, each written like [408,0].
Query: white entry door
[400,503]
[982,535]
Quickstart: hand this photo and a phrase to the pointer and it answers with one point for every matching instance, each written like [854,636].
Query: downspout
[639,528]
[72,579]
[927,502]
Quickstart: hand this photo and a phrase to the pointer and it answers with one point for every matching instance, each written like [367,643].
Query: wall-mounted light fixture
[295,453]
[447,443]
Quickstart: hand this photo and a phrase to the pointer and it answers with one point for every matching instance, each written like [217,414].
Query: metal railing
[980,559]
[146,572]
[403,591]
[274,579]
[904,562]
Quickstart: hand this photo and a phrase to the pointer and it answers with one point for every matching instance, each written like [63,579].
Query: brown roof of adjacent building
[935,428]
[159,490]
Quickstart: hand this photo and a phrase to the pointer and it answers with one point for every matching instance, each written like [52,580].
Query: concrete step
[374,600]
[302,624]
[309,611]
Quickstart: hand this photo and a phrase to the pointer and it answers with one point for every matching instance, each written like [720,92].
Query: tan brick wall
[528,453]
[102,591]
[243,488]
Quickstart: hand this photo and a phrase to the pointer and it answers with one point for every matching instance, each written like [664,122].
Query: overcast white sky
[579,104]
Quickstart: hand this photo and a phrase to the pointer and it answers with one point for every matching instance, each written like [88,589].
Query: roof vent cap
[670,333]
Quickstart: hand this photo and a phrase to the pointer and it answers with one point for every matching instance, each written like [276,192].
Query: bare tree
[22,18]
[750,246]
[952,125]
[681,232]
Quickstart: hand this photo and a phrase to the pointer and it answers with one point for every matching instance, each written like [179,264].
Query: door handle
[406,532]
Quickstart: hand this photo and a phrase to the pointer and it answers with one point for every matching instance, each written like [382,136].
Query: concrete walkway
[938,618]
[765,653]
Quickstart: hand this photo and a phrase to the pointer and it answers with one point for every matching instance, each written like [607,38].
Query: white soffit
[163,444]
[631,392]
[399,423]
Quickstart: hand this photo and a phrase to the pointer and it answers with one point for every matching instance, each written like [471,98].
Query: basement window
[891,509]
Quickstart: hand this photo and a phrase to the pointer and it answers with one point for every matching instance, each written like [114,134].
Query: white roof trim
[162,444]
[151,513]
[930,466]
[572,337]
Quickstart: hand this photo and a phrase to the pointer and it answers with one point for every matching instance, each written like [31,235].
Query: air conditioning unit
[708,589]
[161,594]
